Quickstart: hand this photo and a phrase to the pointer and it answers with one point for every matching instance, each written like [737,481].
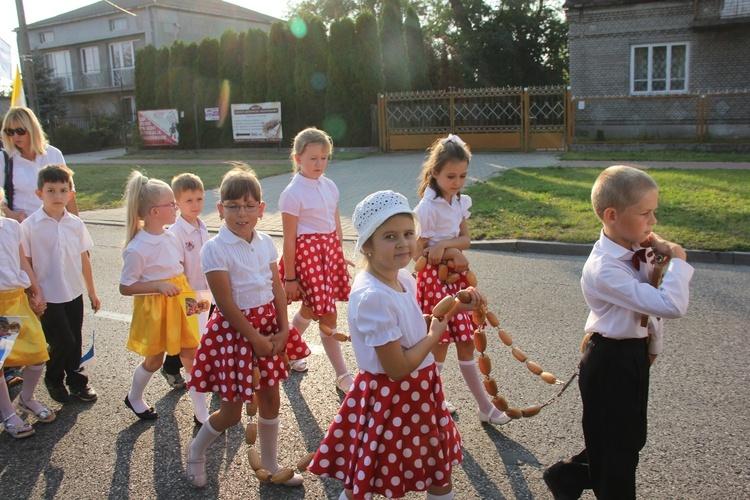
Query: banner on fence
[158,127]
[257,122]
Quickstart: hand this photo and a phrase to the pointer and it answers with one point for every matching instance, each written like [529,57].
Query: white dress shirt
[618,294]
[313,202]
[440,220]
[151,257]
[55,250]
[248,265]
[379,314]
[191,240]
[11,276]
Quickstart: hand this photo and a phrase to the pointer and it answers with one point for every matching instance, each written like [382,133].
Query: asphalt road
[698,445]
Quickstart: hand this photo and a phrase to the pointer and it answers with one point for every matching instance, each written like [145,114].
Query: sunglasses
[13,131]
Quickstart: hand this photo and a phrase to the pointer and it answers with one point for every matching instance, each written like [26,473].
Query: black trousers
[613,381]
[62,324]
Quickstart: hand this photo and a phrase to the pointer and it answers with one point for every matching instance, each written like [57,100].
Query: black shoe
[84,393]
[149,414]
[551,479]
[12,377]
[58,392]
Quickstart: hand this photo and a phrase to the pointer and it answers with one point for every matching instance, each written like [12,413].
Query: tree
[181,91]
[230,71]
[161,79]
[310,75]
[395,64]
[341,82]
[280,71]
[255,81]
[145,77]
[207,85]
[370,80]
[330,10]
[415,50]
[48,90]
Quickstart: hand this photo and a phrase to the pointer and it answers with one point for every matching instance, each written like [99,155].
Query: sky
[37,10]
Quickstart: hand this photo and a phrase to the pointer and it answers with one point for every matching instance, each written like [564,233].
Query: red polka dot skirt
[321,270]
[430,291]
[390,437]
[224,359]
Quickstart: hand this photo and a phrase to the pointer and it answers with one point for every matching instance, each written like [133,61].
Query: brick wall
[601,38]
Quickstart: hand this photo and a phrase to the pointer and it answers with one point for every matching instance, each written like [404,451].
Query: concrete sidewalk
[399,171]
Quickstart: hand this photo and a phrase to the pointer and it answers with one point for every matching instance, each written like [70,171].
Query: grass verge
[230,155]
[699,209]
[676,156]
[102,186]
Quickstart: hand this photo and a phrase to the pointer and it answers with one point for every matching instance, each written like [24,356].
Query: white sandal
[501,419]
[18,431]
[42,414]
[341,385]
[299,365]
[196,480]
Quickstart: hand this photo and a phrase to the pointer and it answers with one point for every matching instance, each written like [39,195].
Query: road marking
[125,318]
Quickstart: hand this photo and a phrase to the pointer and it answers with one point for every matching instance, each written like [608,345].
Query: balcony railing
[721,12]
[105,79]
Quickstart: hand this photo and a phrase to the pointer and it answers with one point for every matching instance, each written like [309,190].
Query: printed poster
[10,327]
[158,127]
[259,122]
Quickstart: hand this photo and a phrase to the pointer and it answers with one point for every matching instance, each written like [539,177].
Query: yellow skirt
[30,347]
[161,324]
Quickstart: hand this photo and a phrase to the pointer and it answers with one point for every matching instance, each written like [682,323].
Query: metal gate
[500,119]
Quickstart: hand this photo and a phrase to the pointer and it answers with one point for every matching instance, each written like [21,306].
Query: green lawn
[230,155]
[102,186]
[699,209]
[675,156]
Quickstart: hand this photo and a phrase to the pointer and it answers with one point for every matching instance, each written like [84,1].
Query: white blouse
[25,173]
[151,257]
[191,240]
[379,314]
[11,276]
[440,220]
[248,265]
[313,202]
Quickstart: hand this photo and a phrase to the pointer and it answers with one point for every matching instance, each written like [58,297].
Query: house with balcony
[660,69]
[91,50]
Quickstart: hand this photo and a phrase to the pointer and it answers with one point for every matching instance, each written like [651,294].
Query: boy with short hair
[57,243]
[614,369]
[192,234]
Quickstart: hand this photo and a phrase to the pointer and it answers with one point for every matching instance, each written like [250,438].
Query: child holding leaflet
[313,264]
[20,295]
[393,433]
[153,273]
[248,327]
[614,370]
[442,212]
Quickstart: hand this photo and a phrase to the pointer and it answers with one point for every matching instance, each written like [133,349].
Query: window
[659,68]
[59,63]
[46,36]
[90,60]
[118,24]
[122,62]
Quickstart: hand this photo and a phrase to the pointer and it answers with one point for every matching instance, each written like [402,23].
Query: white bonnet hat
[374,210]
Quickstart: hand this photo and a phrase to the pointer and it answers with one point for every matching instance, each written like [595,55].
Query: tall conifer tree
[370,81]
[311,75]
[340,100]
[395,64]
[415,50]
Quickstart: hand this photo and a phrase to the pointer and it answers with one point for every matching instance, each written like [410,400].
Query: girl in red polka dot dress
[442,212]
[248,328]
[393,433]
[313,264]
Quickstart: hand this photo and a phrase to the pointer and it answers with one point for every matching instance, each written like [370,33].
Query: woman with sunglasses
[27,147]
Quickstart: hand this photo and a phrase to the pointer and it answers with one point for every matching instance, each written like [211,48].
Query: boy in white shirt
[614,369]
[192,235]
[57,243]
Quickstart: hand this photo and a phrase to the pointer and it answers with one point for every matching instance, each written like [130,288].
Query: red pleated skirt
[224,359]
[321,271]
[390,437]
[430,291]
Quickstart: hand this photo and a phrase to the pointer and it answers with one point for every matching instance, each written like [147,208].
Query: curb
[531,246]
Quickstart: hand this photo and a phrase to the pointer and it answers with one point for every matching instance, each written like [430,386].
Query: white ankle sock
[471,376]
[200,443]
[141,378]
[447,496]
[268,435]
[333,350]
[31,376]
[300,322]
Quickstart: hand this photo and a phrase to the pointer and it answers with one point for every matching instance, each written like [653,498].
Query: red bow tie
[642,255]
